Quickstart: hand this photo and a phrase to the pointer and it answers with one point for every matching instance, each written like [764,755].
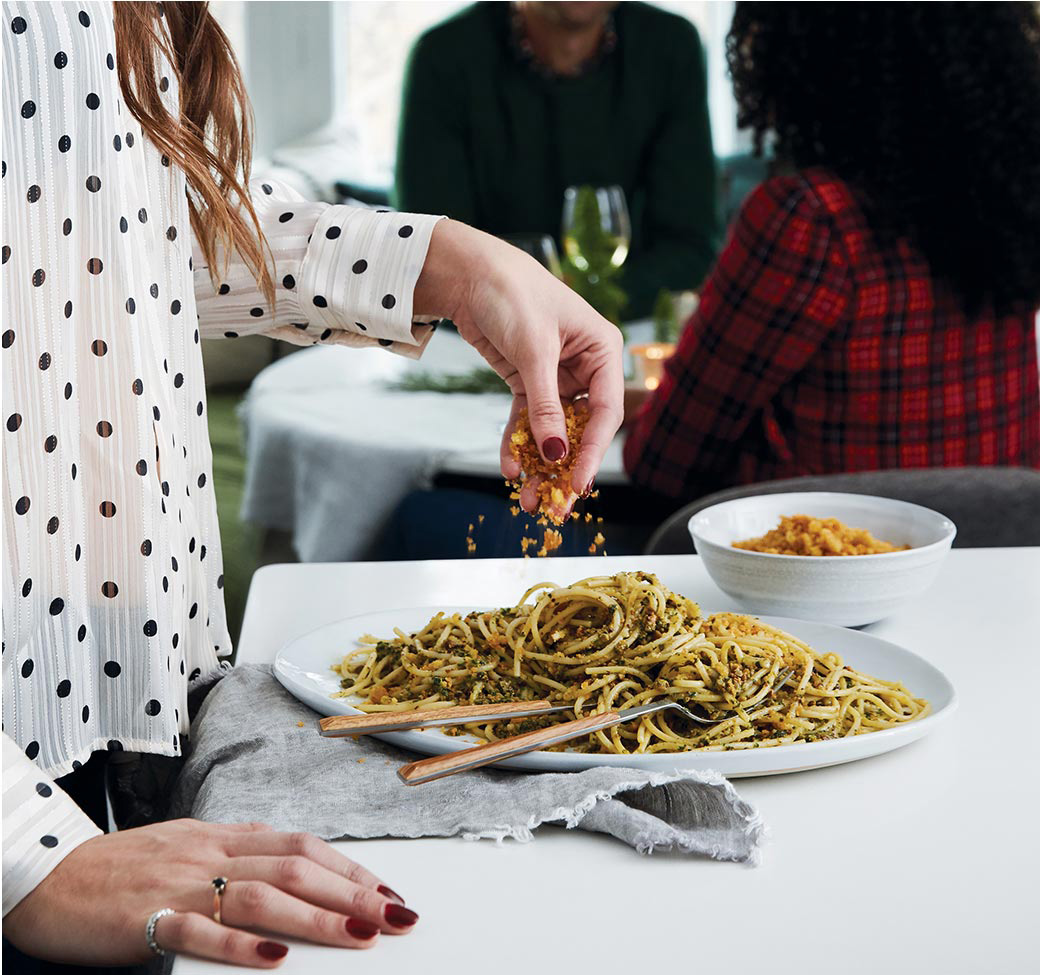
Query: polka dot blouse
[112,586]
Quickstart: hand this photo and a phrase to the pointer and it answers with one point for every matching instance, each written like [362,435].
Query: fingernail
[400,916]
[590,487]
[554,449]
[392,894]
[272,950]
[362,930]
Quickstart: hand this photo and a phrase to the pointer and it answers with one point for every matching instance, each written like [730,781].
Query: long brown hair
[211,139]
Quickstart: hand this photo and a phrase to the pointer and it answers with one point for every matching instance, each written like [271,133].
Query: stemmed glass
[596,229]
[542,248]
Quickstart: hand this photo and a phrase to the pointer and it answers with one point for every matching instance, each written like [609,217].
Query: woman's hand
[93,907]
[536,333]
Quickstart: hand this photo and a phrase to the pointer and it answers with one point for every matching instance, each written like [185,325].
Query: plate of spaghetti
[789,695]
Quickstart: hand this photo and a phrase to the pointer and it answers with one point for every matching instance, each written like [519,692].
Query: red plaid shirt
[817,350]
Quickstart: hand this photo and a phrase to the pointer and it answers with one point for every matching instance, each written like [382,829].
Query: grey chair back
[991,506]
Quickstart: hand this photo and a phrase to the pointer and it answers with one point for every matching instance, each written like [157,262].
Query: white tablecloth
[923,860]
[331,450]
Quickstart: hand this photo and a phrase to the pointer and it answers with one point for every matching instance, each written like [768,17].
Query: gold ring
[219,886]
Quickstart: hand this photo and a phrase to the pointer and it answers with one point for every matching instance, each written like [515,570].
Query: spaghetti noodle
[621,641]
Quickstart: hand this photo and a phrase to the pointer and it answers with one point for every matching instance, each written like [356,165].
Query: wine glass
[542,248]
[596,229]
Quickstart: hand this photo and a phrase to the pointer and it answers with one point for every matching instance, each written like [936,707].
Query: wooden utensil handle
[367,724]
[439,766]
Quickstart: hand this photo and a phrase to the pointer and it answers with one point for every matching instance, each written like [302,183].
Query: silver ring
[149,929]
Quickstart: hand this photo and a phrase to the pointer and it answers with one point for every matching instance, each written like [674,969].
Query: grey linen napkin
[252,760]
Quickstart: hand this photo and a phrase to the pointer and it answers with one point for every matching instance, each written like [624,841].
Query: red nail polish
[554,449]
[589,489]
[392,894]
[362,930]
[400,916]
[272,950]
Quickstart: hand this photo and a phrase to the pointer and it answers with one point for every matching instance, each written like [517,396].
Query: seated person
[874,308]
[506,105]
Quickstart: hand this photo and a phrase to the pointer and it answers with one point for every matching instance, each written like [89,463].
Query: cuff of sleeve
[360,272]
[42,826]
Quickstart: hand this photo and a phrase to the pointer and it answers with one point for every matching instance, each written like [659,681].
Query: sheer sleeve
[42,825]
[343,275]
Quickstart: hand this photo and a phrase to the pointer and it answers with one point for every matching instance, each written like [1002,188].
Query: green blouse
[488,140]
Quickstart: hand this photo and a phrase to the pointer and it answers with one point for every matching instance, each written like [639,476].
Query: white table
[923,860]
[332,449]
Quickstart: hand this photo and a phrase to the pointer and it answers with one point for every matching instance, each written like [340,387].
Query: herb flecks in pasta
[621,641]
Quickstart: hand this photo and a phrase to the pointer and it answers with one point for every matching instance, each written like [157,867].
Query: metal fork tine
[781,679]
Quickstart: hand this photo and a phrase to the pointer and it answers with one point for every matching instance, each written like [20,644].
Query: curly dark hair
[931,111]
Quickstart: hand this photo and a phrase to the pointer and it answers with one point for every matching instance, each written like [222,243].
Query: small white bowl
[848,590]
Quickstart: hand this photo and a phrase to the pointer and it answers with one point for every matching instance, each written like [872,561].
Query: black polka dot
[386,343]
[176,639]
[81,633]
[66,227]
[112,669]
[320,302]
[99,347]
[389,301]
[151,628]
[266,187]
[289,282]
[333,232]
[115,746]
[171,233]
[107,509]
[64,144]
[155,412]
[27,667]
[141,467]
[124,226]
[68,310]
[191,542]
[198,408]
[152,708]
[28,109]
[359,267]
[49,841]
[142,215]
[64,688]
[33,193]
[282,218]
[84,18]
[6,253]
[95,266]
[131,305]
[193,612]
[202,480]
[93,184]
[324,335]
[56,606]
[256,312]
[137,387]
[18,25]
[31,751]
[52,525]
[231,335]
[8,339]
[164,83]
[14,421]
[175,307]
[93,102]
[85,714]
[194,675]
[117,142]
[109,589]
[223,289]
[220,581]
[27,587]
[166,488]
[44,790]
[165,583]
[104,428]
[202,553]
[110,62]
[130,140]
[405,231]
[73,471]
[178,380]
[146,547]
[164,159]
[39,276]
[153,290]
[50,444]
[21,506]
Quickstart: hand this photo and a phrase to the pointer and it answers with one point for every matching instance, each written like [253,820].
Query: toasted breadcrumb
[556,489]
[299,724]
[805,535]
